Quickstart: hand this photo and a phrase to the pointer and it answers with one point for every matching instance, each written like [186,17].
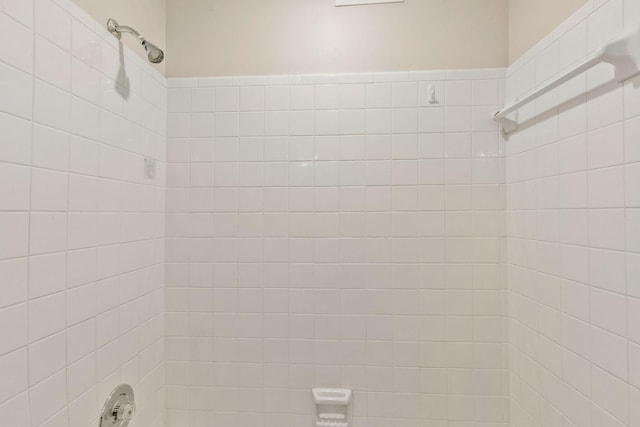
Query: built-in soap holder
[333,407]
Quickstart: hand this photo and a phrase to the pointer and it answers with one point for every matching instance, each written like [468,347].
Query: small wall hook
[431,89]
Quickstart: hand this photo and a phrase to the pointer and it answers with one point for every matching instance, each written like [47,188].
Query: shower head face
[154,53]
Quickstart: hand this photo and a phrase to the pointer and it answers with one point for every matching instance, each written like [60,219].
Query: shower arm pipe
[117,30]
[623,53]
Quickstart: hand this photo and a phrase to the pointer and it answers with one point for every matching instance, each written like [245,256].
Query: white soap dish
[333,407]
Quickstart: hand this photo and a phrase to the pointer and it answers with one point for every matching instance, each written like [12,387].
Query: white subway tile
[48,232]
[18,92]
[50,148]
[203,125]
[607,228]
[327,97]
[85,81]
[609,352]
[547,63]
[46,316]
[85,119]
[485,92]
[430,120]
[379,95]
[46,357]
[53,23]
[47,274]
[576,371]
[85,44]
[277,98]
[610,393]
[632,175]
[13,367]
[18,53]
[607,270]
[605,107]
[352,95]
[14,187]
[572,118]
[49,190]
[226,124]
[252,98]
[605,23]
[16,336]
[15,229]
[52,64]
[16,410]
[404,120]
[181,100]
[197,100]
[43,405]
[51,106]
[572,154]
[606,188]
[634,379]
[17,148]
[227,99]
[352,122]
[14,288]
[404,95]
[458,92]
[632,145]
[324,123]
[606,147]
[21,11]
[80,337]
[302,97]
[633,274]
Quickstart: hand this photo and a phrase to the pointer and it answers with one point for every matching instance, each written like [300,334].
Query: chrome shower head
[154,53]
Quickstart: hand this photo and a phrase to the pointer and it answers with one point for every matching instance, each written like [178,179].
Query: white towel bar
[623,53]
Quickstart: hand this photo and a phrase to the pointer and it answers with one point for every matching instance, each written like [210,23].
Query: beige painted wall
[531,20]
[242,37]
[146,16]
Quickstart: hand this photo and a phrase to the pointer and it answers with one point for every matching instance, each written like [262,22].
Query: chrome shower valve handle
[120,407]
[123,412]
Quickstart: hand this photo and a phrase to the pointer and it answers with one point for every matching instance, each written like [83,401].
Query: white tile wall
[82,249]
[335,231]
[573,235]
